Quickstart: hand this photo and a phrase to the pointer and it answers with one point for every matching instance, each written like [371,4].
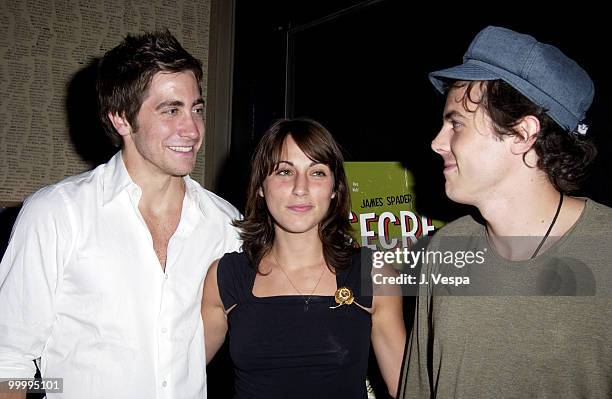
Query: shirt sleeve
[416,377]
[30,273]
[233,242]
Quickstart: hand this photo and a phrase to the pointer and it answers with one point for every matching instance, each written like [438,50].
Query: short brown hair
[257,227]
[125,72]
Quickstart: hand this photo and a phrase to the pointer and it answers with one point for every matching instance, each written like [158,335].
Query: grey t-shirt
[539,328]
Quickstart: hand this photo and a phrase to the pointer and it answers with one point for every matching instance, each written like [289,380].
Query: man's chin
[455,195]
[182,172]
[184,168]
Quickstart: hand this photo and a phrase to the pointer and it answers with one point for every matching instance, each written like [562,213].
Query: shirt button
[164,330]
[164,384]
[166,276]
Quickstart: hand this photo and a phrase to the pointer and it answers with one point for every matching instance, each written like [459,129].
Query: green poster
[383,206]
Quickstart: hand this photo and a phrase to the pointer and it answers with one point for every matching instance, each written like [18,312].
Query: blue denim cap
[539,71]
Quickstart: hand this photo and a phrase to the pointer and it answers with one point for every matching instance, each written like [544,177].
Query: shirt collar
[116,178]
[193,194]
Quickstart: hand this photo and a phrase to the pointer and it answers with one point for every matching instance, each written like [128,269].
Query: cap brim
[478,70]
[467,71]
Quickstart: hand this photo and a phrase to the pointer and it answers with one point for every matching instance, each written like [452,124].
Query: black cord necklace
[535,253]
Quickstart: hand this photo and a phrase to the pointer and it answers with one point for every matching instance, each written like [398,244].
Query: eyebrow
[453,114]
[177,103]
[291,163]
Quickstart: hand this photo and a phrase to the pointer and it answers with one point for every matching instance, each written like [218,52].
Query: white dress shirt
[81,289]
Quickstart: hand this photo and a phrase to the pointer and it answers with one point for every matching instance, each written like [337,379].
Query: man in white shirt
[101,282]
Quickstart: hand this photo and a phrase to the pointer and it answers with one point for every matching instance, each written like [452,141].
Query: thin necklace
[306,299]
[535,253]
[549,227]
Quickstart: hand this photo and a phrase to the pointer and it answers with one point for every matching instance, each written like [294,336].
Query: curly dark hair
[257,227]
[565,157]
[125,73]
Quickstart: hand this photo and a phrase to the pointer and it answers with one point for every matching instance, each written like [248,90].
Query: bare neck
[528,213]
[160,192]
[520,214]
[296,251]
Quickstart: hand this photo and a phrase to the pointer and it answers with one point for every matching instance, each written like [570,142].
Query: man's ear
[528,129]
[122,126]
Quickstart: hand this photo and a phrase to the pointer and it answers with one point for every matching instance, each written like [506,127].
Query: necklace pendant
[306,305]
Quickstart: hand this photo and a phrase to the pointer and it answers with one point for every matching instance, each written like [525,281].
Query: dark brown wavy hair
[257,227]
[564,156]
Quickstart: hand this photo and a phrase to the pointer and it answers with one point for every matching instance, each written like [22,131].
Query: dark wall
[363,74]
[259,77]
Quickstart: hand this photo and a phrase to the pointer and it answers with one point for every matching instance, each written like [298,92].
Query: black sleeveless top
[282,350]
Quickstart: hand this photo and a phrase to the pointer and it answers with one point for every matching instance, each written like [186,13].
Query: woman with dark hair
[299,323]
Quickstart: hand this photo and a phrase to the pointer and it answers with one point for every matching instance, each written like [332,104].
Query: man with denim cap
[514,145]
